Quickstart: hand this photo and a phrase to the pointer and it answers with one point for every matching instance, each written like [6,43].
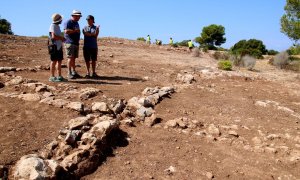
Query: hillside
[216,125]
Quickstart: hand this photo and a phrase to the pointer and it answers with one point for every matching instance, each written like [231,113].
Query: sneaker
[60,79]
[87,76]
[70,76]
[76,75]
[52,79]
[95,75]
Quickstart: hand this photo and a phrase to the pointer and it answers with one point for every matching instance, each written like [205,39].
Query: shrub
[294,66]
[141,39]
[5,27]
[196,52]
[294,50]
[183,43]
[252,47]
[249,62]
[220,55]
[225,65]
[272,52]
[236,59]
[175,45]
[281,59]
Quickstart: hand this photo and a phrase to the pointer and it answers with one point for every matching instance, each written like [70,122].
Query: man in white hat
[72,35]
[56,56]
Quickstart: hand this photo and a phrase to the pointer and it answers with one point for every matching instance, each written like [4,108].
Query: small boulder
[34,168]
[76,106]
[185,78]
[133,103]
[72,137]
[77,123]
[119,107]
[101,129]
[101,107]
[30,97]
[143,112]
[88,93]
[152,120]
[171,124]
[213,130]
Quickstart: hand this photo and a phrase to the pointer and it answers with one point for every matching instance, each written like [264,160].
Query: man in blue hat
[90,47]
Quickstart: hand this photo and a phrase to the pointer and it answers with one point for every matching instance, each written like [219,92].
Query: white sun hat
[56,18]
[76,13]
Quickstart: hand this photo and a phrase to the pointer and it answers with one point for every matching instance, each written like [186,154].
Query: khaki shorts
[72,50]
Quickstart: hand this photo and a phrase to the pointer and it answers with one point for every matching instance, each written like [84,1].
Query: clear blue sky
[161,19]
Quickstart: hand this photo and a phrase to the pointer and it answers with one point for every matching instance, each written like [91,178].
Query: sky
[161,19]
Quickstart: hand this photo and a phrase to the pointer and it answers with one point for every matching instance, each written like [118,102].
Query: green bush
[272,52]
[141,39]
[5,27]
[183,43]
[252,47]
[294,50]
[225,65]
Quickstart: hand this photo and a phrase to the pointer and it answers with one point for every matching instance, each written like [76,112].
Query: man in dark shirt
[90,48]
[72,36]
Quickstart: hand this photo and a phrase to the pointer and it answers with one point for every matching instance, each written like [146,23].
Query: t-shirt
[74,37]
[90,41]
[54,28]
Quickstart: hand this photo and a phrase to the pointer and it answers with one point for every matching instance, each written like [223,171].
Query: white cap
[76,13]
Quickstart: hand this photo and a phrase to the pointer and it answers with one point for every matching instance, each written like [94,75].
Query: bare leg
[52,68]
[94,66]
[59,68]
[71,64]
[87,67]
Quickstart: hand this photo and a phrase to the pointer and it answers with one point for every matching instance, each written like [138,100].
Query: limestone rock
[149,91]
[103,128]
[171,124]
[30,97]
[15,81]
[77,106]
[133,102]
[72,136]
[88,93]
[101,107]
[34,168]
[185,78]
[213,130]
[146,102]
[119,107]
[152,120]
[77,123]
[143,112]
[261,103]
[233,133]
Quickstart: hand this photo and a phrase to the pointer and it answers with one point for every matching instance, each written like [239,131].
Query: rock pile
[141,109]
[75,153]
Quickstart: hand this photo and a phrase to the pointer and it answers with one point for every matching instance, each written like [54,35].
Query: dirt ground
[262,107]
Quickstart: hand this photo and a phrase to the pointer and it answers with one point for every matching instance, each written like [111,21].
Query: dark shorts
[90,54]
[57,56]
[190,47]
